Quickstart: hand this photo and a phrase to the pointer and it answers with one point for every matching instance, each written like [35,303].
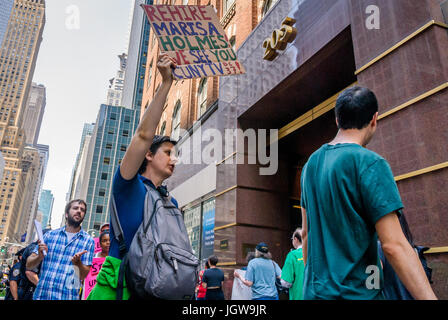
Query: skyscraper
[113,132]
[5,12]
[115,92]
[18,55]
[27,188]
[78,182]
[34,112]
[44,151]
[137,56]
[46,207]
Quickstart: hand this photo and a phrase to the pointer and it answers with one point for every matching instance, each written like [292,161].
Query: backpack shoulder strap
[150,206]
[118,230]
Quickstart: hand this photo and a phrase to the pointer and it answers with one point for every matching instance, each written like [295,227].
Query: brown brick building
[397,48]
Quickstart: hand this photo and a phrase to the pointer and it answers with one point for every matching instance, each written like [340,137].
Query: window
[163,128]
[228,4]
[103,176]
[106,160]
[232,42]
[99,209]
[175,131]
[123,148]
[125,133]
[149,75]
[113,116]
[127,119]
[202,97]
[267,5]
[102,192]
[109,146]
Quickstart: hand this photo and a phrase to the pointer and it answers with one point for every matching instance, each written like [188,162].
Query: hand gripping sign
[193,36]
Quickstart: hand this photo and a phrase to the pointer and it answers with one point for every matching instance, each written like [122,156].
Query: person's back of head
[355,108]
[262,251]
[297,238]
[213,261]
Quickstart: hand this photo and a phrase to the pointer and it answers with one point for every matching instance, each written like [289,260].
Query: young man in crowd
[149,160]
[66,255]
[349,200]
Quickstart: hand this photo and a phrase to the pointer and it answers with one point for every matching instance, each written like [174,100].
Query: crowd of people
[351,213]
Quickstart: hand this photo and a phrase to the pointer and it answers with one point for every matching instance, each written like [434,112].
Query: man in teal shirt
[349,200]
[292,272]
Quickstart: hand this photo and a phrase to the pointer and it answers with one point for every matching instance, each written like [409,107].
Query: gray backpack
[160,263]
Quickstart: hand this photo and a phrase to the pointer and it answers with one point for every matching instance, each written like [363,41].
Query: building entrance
[302,108]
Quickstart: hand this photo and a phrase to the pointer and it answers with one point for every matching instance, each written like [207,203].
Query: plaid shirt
[57,279]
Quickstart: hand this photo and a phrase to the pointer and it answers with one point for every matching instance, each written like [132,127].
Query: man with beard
[66,255]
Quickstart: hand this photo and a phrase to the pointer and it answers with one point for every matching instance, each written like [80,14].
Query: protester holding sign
[147,160]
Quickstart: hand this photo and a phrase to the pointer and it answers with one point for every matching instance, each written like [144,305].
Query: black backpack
[160,262]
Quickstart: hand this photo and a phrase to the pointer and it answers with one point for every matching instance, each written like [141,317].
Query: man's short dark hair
[355,108]
[213,260]
[69,205]
[156,143]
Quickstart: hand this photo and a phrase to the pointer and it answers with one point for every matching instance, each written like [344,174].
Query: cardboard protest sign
[97,245]
[90,280]
[193,36]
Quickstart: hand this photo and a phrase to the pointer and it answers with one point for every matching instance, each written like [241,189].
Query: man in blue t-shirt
[149,159]
[349,200]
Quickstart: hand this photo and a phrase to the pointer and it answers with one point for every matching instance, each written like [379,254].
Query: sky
[77,57]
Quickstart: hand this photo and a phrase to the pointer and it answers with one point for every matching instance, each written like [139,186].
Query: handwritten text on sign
[90,280]
[97,245]
[193,36]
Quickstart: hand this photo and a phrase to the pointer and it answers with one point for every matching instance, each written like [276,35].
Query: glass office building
[137,55]
[112,135]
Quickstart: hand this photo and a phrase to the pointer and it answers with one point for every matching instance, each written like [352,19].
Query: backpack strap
[148,207]
[118,230]
[123,251]
[121,274]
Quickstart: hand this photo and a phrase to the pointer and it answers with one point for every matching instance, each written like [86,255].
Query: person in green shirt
[292,272]
[350,199]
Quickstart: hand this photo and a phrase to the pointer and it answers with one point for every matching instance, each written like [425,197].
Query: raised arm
[403,258]
[142,139]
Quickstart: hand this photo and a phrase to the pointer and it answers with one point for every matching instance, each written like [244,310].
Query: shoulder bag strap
[118,231]
[148,206]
